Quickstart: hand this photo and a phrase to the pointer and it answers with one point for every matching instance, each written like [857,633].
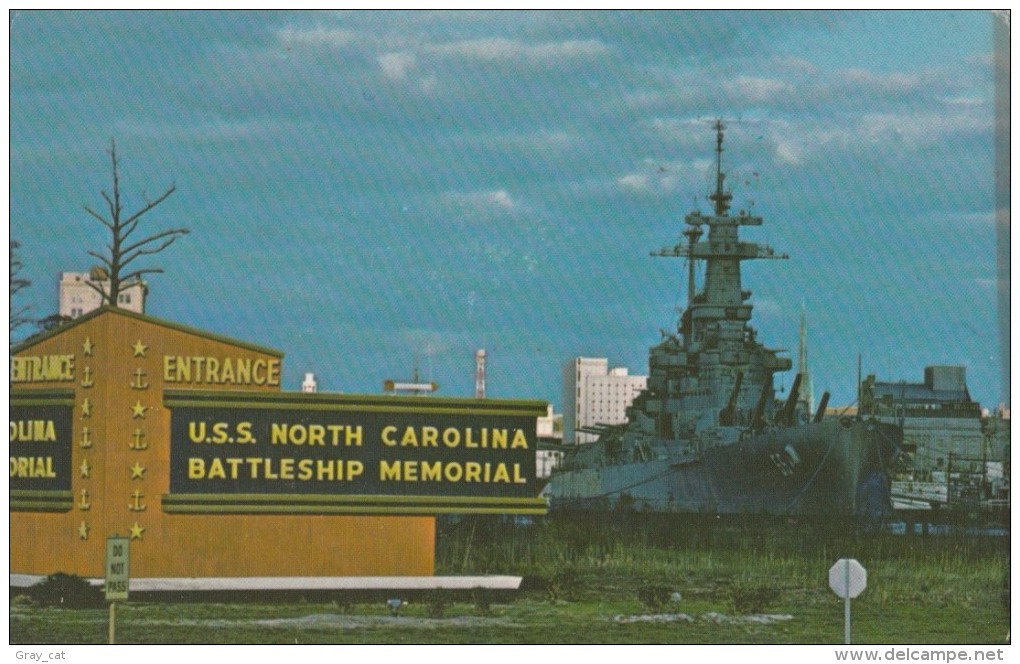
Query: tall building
[594,394]
[78,294]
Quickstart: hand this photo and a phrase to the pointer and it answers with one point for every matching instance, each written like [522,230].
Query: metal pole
[846,602]
[113,621]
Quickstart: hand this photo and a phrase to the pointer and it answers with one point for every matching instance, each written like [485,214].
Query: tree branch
[125,259]
[138,273]
[114,207]
[100,257]
[150,205]
[152,238]
[103,295]
[99,217]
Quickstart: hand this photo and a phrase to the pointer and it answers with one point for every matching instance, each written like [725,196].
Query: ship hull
[835,467]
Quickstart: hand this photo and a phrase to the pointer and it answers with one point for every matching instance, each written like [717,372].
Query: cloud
[920,129]
[687,132]
[501,49]
[661,176]
[758,90]
[317,36]
[395,66]
[483,201]
[634,182]
[795,64]
[789,152]
[871,82]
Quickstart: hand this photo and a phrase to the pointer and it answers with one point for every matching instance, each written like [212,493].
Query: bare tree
[18,284]
[123,249]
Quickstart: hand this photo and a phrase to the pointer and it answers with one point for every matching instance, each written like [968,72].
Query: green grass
[579,578]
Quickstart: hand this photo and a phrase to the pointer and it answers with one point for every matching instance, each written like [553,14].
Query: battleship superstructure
[708,434]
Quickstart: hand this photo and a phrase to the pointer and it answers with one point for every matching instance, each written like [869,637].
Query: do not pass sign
[848,578]
[117,572]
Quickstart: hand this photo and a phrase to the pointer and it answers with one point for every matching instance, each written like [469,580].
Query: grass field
[644,580]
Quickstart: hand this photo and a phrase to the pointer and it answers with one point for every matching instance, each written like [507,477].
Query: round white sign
[848,578]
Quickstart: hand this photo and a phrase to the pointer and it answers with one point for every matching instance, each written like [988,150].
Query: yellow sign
[201,370]
[42,368]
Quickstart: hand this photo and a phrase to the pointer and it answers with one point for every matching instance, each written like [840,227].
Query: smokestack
[480,373]
[309,384]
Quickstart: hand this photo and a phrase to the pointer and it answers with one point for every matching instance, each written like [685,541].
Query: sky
[371,192]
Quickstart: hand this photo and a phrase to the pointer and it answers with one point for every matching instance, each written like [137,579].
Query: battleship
[708,434]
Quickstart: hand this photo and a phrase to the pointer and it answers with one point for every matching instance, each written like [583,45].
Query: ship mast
[721,198]
[720,308]
[716,365]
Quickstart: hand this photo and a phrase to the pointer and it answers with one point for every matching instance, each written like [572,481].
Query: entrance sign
[333,453]
[848,579]
[40,450]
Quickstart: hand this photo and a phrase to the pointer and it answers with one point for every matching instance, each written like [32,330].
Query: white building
[549,429]
[78,297]
[595,394]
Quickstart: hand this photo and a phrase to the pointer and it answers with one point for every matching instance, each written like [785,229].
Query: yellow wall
[115,346]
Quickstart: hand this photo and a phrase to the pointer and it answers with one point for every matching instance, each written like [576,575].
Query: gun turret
[758,414]
[820,413]
[728,415]
[786,415]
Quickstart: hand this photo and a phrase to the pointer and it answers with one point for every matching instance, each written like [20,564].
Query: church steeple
[805,401]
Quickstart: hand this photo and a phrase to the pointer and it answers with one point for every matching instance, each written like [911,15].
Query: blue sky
[367,189]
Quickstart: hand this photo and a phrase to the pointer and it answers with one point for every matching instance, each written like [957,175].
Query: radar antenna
[720,197]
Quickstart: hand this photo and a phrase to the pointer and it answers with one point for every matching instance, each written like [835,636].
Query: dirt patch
[338,621]
[716,618]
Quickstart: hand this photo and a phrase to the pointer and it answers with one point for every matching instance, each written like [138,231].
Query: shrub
[436,603]
[753,597]
[564,584]
[66,591]
[483,600]
[653,597]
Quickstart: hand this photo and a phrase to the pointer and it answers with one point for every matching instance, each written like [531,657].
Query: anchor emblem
[138,444]
[87,380]
[86,438]
[137,383]
[84,503]
[137,505]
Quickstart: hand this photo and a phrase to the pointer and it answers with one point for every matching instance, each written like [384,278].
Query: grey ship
[708,434]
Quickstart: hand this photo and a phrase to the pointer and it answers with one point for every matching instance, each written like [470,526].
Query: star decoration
[136,531]
[138,410]
[83,531]
[139,349]
[86,408]
[85,468]
[137,471]
[86,348]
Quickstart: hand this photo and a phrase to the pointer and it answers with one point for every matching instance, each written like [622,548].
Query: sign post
[117,576]
[848,579]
